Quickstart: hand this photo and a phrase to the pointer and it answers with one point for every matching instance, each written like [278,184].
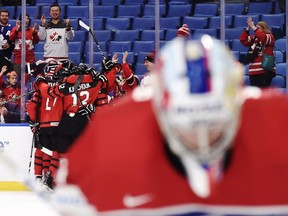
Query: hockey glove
[107,64]
[34,126]
[66,88]
[102,78]
[88,110]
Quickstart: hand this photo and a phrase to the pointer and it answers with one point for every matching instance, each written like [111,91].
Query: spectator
[11,88]
[126,81]
[6,46]
[32,38]
[183,31]
[192,134]
[149,63]
[9,112]
[261,41]
[56,34]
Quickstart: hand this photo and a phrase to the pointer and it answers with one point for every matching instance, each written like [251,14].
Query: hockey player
[205,145]
[45,114]
[126,81]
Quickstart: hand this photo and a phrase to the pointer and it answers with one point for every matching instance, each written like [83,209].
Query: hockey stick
[83,25]
[16,97]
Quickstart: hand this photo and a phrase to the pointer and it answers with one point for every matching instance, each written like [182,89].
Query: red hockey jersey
[126,170]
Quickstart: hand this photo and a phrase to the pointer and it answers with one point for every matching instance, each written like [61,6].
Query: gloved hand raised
[107,64]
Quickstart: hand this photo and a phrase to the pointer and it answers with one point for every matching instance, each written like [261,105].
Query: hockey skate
[48,182]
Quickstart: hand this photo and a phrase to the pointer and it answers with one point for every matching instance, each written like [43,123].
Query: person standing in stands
[6,46]
[56,33]
[262,41]
[149,62]
[183,31]
[32,38]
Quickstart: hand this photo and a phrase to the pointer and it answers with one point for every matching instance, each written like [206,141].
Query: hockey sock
[54,165]
[46,162]
[38,162]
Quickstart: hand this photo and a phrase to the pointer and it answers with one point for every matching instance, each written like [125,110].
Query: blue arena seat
[276,22]
[12,22]
[75,24]
[278,81]
[149,35]
[121,23]
[211,32]
[111,2]
[170,34]
[236,54]
[149,10]
[39,56]
[126,35]
[140,69]
[196,22]
[126,2]
[80,35]
[260,7]
[143,23]
[234,8]
[237,46]
[78,11]
[108,11]
[130,10]
[279,56]
[97,57]
[103,35]
[120,46]
[281,69]
[75,57]
[233,33]
[98,23]
[206,9]
[153,2]
[102,44]
[143,46]
[11,11]
[141,57]
[33,11]
[214,21]
[246,80]
[43,2]
[39,47]
[67,2]
[170,22]
[240,21]
[86,2]
[280,44]
[76,46]
[179,10]
[179,2]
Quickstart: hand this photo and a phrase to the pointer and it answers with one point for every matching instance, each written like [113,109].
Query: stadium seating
[103,35]
[179,1]
[78,11]
[67,2]
[11,11]
[86,2]
[42,2]
[278,81]
[80,35]
[214,21]
[233,33]
[260,8]
[236,45]
[196,22]
[206,9]
[122,23]
[141,56]
[32,11]
[39,47]
[97,57]
[280,44]
[76,46]
[130,10]
[170,22]
[120,46]
[240,21]
[149,10]
[211,32]
[170,34]
[127,2]
[111,2]
[276,22]
[102,44]
[75,57]
[234,8]
[149,35]
[107,11]
[279,56]
[75,24]
[126,35]
[246,80]
[143,46]
[236,54]
[98,23]
[143,23]
[38,56]
[281,69]
[153,2]
[140,69]
[179,10]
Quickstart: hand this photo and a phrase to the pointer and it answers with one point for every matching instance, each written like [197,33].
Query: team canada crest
[55,37]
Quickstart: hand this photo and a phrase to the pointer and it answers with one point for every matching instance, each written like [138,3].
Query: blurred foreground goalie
[200,144]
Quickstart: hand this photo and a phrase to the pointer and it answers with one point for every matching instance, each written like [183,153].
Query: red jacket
[31,40]
[267,40]
[125,169]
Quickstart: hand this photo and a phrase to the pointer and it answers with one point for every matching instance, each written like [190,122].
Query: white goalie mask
[197,87]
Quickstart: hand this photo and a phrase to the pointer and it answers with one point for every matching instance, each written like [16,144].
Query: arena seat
[179,2]
[233,33]
[149,10]
[141,56]
[280,44]
[279,56]
[130,10]
[75,57]
[39,47]
[80,35]
[107,11]
[206,9]
[149,35]
[214,21]
[67,2]
[212,32]
[43,2]
[260,7]
[281,69]
[234,8]
[86,2]
[170,22]
[196,22]
[179,10]
[76,46]
[120,46]
[98,23]
[127,2]
[143,46]
[170,34]
[140,69]
[33,11]
[276,22]
[126,35]
[78,11]
[278,81]
[103,35]
[121,23]
[111,2]
[143,23]
[102,44]
[97,57]
[240,21]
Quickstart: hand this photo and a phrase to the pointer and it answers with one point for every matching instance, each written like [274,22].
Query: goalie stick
[83,25]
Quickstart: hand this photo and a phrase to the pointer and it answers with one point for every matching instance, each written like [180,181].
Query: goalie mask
[197,84]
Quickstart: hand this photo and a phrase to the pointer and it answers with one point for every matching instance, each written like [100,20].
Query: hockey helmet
[196,86]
